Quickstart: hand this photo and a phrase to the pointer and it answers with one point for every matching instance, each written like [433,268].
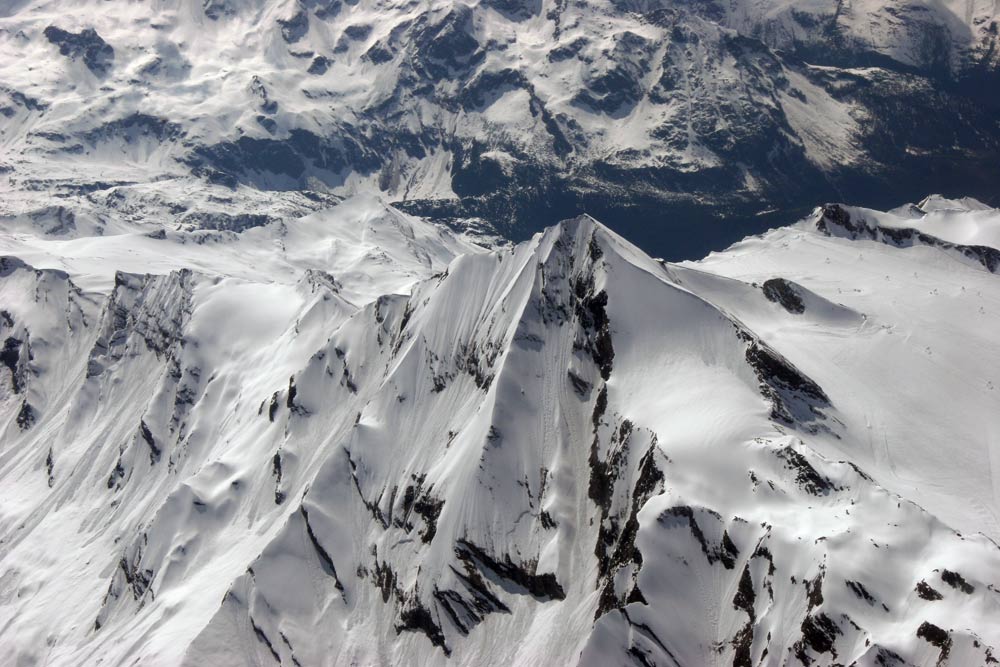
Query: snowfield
[340,434]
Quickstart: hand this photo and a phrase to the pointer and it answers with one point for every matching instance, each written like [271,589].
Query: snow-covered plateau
[242,426]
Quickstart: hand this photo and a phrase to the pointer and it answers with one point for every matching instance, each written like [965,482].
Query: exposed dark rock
[927,592]
[859,590]
[686,514]
[136,578]
[763,552]
[358,32]
[218,9]
[806,476]
[386,581]
[290,403]
[10,355]
[24,101]
[447,46]
[957,581]
[887,658]
[465,612]
[8,265]
[420,501]
[784,292]
[814,589]
[262,638]
[153,308]
[319,65]
[654,642]
[324,556]
[836,220]
[133,127]
[429,508]
[567,51]
[272,407]
[542,586]
[291,650]
[742,643]
[480,93]
[516,10]
[49,467]
[295,28]
[147,436]
[618,87]
[86,45]
[371,506]
[938,637]
[246,158]
[26,416]
[591,310]
[795,399]
[745,596]
[117,475]
[379,54]
[478,361]
[819,633]
[417,618]
[267,123]
[615,549]
[279,495]
[238,222]
[580,386]
[728,553]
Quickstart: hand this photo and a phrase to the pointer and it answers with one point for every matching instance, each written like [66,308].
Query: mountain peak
[450,447]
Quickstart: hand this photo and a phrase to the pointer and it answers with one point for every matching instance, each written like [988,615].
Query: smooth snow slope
[563,452]
[903,339]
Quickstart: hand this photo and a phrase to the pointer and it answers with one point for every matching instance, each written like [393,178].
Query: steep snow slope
[560,452]
[142,378]
[518,113]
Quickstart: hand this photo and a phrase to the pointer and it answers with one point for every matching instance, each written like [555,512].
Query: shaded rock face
[836,220]
[785,293]
[10,356]
[86,45]
[795,398]
[616,86]
[294,28]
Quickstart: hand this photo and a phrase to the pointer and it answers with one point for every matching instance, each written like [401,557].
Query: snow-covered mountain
[344,435]
[654,116]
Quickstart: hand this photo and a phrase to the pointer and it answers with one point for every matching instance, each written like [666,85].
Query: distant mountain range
[683,125]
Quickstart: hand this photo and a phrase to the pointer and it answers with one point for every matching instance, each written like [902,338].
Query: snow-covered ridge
[361,439]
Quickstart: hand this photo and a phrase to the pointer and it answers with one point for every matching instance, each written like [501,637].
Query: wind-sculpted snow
[363,440]
[654,115]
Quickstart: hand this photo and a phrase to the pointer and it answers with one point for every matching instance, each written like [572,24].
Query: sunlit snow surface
[348,436]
